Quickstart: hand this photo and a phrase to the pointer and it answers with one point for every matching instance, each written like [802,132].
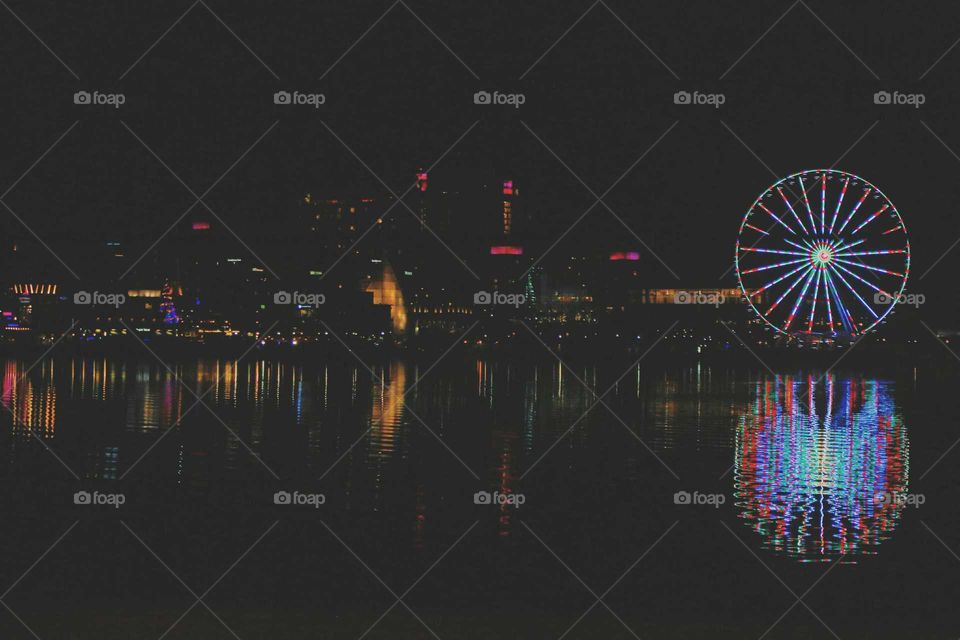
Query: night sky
[799,99]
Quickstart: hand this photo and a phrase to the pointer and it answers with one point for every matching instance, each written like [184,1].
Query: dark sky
[799,99]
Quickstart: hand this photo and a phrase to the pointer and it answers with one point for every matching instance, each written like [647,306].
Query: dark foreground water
[476,499]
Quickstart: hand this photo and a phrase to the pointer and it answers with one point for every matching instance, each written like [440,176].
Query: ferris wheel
[822,253]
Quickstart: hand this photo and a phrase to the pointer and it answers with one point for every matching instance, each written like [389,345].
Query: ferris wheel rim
[886,310]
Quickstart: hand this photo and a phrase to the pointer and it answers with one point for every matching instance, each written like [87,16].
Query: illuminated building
[386,291]
[510,192]
[34,311]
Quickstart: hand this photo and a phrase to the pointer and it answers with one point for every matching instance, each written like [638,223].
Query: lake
[476,499]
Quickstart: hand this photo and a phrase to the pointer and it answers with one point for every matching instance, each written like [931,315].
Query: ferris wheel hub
[822,254]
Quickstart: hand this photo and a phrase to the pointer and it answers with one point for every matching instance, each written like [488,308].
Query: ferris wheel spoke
[776,251]
[843,247]
[780,279]
[871,218]
[861,279]
[806,200]
[813,305]
[803,247]
[777,218]
[854,211]
[789,289]
[747,224]
[790,207]
[882,252]
[845,316]
[796,305]
[836,211]
[852,290]
[774,266]
[826,299]
[823,205]
[871,268]
[891,230]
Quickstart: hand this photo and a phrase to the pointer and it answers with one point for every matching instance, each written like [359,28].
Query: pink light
[508,187]
[632,256]
[422,181]
[506,250]
[201,226]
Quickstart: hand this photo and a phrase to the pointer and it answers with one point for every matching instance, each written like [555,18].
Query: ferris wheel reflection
[816,464]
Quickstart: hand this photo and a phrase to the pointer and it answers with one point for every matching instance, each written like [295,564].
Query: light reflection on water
[810,456]
[813,461]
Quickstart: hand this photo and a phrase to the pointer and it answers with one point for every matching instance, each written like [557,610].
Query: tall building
[510,192]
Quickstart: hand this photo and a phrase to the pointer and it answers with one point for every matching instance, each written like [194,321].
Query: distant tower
[167,307]
[422,188]
[510,192]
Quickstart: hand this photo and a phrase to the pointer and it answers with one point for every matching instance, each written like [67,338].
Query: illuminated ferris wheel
[822,253]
